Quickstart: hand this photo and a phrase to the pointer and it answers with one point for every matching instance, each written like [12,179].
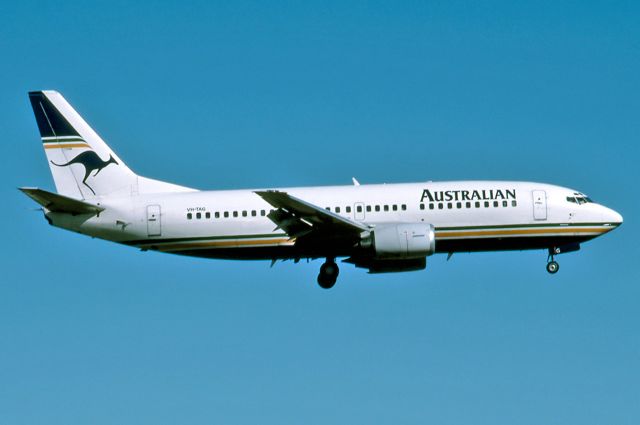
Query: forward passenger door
[539,205]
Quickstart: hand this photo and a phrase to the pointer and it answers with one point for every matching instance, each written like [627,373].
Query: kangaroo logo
[90,161]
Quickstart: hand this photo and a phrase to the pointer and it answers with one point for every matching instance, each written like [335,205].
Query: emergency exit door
[539,205]
[154,226]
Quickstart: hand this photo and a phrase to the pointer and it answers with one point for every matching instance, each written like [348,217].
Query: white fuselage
[466,215]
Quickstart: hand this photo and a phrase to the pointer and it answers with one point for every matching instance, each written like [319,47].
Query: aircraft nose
[611,216]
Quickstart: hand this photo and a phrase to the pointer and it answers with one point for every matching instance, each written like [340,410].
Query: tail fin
[82,164]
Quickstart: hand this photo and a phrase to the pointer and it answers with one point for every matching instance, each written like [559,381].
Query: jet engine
[401,241]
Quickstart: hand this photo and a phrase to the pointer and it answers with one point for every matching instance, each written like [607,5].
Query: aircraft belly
[255,253]
[442,246]
[518,243]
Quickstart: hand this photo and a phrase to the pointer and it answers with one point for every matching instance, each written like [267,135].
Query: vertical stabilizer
[82,164]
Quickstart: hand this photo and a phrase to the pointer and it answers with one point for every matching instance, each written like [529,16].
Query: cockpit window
[579,198]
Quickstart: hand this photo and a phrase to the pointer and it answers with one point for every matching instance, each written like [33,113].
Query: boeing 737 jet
[380,227]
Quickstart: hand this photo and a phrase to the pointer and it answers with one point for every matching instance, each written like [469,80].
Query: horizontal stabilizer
[59,203]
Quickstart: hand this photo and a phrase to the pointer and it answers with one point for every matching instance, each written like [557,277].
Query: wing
[301,219]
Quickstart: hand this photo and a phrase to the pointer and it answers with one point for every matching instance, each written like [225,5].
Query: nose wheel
[552,264]
[329,272]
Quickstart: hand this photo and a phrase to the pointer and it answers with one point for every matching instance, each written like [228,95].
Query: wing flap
[60,203]
[293,226]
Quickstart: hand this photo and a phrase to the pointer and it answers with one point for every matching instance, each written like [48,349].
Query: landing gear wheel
[553,267]
[328,274]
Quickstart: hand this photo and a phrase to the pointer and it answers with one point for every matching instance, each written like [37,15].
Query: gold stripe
[66,145]
[222,244]
[517,232]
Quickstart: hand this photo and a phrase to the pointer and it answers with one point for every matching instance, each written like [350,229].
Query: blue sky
[252,94]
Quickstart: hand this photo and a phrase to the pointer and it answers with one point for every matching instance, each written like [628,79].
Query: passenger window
[253,213]
[217,214]
[328,208]
[226,214]
[207,215]
[495,204]
[486,204]
[348,209]
[505,203]
[459,205]
[430,206]
[440,206]
[514,204]
[421,206]
[368,208]
[404,207]
[198,216]
[189,216]
[386,208]
[359,208]
[477,204]
[337,209]
[449,205]
[468,204]
[235,213]
[263,213]
[244,213]
[394,207]
[377,207]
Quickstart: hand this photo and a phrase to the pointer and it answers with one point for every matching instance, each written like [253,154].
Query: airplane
[379,227]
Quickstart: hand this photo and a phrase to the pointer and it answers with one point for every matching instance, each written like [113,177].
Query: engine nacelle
[403,241]
[395,266]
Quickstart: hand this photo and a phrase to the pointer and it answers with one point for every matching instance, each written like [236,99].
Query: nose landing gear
[329,272]
[552,265]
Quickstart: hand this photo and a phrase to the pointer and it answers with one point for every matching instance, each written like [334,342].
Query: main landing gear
[329,272]
[552,265]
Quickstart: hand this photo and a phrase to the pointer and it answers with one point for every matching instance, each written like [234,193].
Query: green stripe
[203,238]
[73,140]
